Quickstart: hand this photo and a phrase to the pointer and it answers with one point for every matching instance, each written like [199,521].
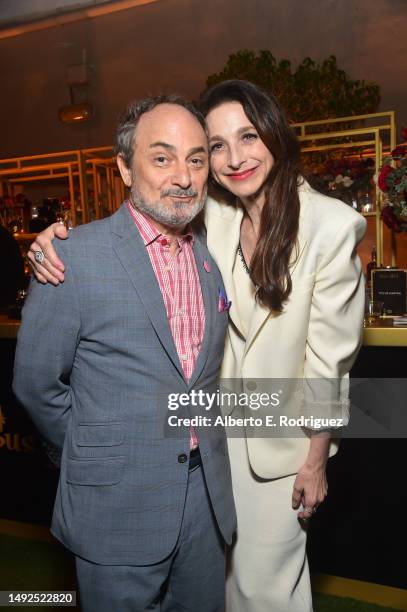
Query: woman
[287,256]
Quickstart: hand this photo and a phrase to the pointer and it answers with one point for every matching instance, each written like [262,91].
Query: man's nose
[182,176]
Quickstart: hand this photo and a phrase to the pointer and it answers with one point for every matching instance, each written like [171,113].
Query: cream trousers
[268,569]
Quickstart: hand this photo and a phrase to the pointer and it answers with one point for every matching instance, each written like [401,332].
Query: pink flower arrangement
[392,181]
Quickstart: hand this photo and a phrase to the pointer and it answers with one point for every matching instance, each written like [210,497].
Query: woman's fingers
[296,497]
[307,512]
[309,491]
[42,272]
[41,278]
[44,261]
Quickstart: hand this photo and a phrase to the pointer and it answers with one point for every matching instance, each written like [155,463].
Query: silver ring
[310,510]
[39,256]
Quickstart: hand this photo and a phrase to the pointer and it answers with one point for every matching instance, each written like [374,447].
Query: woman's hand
[48,268]
[310,486]
[310,490]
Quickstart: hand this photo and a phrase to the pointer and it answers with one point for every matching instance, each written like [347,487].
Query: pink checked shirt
[178,279]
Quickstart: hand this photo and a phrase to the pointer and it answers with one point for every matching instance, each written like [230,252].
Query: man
[146,513]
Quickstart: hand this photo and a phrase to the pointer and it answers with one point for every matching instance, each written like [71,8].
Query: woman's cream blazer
[315,338]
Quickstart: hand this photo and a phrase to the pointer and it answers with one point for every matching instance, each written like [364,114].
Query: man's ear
[125,172]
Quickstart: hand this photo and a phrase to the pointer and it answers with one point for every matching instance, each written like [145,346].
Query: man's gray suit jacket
[95,362]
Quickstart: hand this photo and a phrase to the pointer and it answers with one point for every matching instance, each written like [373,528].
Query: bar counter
[365,502]
[382,333]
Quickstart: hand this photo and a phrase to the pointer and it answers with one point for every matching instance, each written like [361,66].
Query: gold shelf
[384,334]
[21,237]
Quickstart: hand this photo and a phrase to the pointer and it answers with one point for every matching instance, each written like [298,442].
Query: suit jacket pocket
[99,434]
[94,472]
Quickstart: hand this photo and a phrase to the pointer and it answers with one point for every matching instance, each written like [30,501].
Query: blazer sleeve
[45,354]
[335,325]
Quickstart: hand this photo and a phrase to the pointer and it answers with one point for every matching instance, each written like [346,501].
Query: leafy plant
[309,92]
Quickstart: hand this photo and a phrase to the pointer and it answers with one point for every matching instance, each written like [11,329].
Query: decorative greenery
[311,91]
[349,179]
[392,182]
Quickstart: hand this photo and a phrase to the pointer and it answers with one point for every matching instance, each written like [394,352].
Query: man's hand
[51,270]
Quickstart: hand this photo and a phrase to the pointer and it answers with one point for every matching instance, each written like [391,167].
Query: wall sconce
[78,79]
[75,113]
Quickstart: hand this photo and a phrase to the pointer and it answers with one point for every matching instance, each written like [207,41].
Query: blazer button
[182,458]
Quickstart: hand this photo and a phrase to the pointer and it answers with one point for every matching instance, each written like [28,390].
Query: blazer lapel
[261,313]
[130,249]
[223,241]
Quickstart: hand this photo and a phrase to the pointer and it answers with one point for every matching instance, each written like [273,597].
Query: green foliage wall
[311,91]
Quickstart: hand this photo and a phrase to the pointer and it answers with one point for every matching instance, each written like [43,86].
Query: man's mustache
[189,193]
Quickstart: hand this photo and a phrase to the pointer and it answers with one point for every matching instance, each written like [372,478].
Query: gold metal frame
[375,142]
[96,166]
[81,168]
[390,125]
[386,126]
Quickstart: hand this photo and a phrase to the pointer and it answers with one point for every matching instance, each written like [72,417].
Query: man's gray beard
[179,215]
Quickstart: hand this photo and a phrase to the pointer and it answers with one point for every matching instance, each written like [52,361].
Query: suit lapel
[132,253]
[223,241]
[209,295]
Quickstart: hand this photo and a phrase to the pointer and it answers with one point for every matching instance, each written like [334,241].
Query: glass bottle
[372,265]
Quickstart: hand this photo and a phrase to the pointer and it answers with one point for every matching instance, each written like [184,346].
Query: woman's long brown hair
[269,267]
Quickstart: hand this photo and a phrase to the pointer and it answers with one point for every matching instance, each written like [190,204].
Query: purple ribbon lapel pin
[223,304]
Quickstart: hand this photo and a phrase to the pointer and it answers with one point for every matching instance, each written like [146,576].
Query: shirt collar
[149,233]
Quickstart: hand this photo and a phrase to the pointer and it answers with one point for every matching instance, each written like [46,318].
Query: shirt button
[184,358]
[183,458]
[180,312]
